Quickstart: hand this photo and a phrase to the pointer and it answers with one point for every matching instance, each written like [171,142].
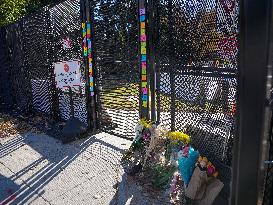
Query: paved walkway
[37,169]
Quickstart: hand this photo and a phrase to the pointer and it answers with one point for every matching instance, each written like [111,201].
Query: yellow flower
[179,136]
[146,123]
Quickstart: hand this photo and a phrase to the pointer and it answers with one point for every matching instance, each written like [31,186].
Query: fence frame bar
[252,112]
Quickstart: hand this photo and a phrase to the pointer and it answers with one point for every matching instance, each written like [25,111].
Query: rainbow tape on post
[143,57]
[87,52]
[84,39]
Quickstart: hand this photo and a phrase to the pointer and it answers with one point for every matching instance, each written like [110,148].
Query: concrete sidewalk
[37,169]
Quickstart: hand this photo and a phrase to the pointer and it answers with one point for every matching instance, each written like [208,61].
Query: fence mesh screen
[20,84]
[35,43]
[196,48]
[5,89]
[116,62]
[196,61]
[66,26]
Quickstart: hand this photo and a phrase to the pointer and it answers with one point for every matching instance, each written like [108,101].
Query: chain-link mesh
[66,24]
[36,46]
[36,43]
[196,57]
[116,62]
[5,89]
[20,84]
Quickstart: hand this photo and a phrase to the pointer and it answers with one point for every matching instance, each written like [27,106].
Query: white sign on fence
[67,74]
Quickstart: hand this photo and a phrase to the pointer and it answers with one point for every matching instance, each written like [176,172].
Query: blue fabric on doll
[186,165]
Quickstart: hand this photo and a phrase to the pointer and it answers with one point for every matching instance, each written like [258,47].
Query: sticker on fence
[67,43]
[67,74]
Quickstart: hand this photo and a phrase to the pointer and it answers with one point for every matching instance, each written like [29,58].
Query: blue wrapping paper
[186,165]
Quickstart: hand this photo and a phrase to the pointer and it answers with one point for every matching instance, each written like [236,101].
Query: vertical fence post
[84,57]
[92,69]
[143,59]
[88,64]
[252,118]
[156,40]
[51,54]
[171,65]
[151,60]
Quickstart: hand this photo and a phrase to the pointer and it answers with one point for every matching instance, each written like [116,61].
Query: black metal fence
[172,61]
[195,61]
[115,29]
[34,44]
[268,182]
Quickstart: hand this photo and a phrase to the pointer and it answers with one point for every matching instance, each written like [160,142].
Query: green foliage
[162,176]
[12,10]
[137,145]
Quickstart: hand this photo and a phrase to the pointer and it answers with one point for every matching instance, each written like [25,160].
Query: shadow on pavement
[94,171]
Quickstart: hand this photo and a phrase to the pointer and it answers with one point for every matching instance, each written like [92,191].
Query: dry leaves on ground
[10,126]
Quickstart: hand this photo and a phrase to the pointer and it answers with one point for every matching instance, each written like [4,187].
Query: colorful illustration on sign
[143,57]
[67,74]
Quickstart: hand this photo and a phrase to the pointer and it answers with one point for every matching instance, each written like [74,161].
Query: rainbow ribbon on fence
[87,52]
[143,57]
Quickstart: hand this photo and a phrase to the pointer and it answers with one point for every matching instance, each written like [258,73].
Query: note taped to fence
[67,74]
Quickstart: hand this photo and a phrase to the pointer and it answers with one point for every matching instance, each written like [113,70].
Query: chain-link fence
[193,49]
[5,89]
[35,45]
[196,63]
[116,60]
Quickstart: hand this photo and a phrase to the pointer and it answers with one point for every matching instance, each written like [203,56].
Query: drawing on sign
[67,74]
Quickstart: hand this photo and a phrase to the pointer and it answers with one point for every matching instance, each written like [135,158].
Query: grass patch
[127,98]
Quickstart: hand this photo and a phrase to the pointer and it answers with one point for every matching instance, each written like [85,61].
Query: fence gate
[115,35]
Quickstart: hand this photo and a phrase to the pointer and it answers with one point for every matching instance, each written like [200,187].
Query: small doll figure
[202,163]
